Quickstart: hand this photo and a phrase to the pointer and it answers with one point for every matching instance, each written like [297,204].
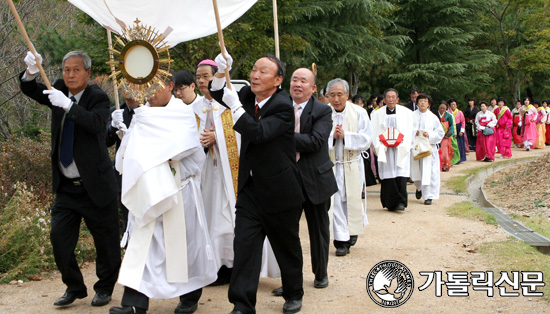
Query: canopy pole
[220,38]
[29,44]
[276,29]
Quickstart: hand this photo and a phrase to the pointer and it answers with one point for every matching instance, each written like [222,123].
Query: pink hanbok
[485,144]
[504,131]
[529,132]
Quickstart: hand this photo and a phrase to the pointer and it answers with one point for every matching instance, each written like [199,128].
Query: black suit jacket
[90,116]
[315,166]
[267,151]
[410,105]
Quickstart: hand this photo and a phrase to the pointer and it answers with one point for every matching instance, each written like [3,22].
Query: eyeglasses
[181,88]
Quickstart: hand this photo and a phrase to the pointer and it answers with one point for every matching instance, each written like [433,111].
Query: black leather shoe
[428,202]
[352,240]
[277,291]
[126,310]
[101,299]
[236,312]
[69,297]
[321,283]
[342,251]
[400,207]
[418,194]
[186,309]
[292,306]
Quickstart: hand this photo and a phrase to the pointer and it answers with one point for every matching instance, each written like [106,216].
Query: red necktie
[256,109]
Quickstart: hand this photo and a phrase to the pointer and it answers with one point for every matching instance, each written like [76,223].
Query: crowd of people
[212,187]
[487,129]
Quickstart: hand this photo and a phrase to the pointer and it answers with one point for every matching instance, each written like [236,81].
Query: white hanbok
[425,172]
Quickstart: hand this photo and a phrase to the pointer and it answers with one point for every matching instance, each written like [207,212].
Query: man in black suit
[269,199]
[412,103]
[314,123]
[82,174]
[122,116]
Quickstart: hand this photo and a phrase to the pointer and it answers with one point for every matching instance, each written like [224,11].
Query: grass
[457,183]
[469,211]
[512,254]
[516,255]
[537,223]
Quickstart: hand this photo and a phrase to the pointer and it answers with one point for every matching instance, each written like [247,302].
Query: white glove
[519,124]
[231,99]
[122,129]
[117,119]
[30,60]
[482,128]
[58,99]
[223,64]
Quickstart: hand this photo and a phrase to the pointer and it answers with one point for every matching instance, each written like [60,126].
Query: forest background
[446,48]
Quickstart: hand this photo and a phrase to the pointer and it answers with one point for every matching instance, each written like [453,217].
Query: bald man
[313,123]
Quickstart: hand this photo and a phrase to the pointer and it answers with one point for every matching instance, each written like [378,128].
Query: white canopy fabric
[188,19]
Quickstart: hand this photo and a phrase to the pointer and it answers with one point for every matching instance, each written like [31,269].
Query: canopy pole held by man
[29,43]
[220,38]
[276,29]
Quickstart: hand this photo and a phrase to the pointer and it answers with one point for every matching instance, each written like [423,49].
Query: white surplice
[346,154]
[217,184]
[157,196]
[393,162]
[425,172]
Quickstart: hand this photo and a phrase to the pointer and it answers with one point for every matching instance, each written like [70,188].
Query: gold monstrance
[143,61]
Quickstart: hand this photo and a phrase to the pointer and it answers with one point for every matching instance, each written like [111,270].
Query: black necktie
[67,140]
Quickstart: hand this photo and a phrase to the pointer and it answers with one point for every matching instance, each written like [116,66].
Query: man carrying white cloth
[169,252]
[350,135]
[425,171]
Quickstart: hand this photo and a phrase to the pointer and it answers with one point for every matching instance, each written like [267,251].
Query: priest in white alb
[425,171]
[350,135]
[392,134]
[220,172]
[169,251]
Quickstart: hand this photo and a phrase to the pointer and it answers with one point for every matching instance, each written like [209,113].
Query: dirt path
[424,238]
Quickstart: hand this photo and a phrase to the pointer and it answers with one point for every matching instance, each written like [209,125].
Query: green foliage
[517,31]
[25,185]
[443,59]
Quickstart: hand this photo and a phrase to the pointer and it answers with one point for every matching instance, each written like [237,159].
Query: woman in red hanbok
[485,145]
[516,129]
[503,128]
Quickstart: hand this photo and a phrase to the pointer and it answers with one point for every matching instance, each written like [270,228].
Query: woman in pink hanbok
[485,145]
[529,132]
[503,128]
